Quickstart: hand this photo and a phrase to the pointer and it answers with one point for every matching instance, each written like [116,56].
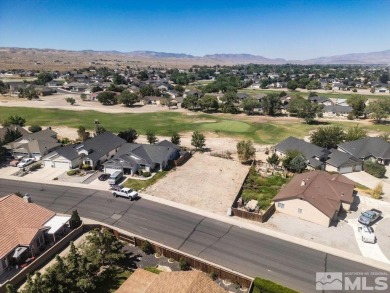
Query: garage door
[62,165]
[346,169]
[111,170]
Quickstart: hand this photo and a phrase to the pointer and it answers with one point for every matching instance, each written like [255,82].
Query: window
[280,205]
[299,211]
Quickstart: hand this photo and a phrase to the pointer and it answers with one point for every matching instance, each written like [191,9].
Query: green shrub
[374,168]
[153,270]
[267,286]
[35,167]
[34,128]
[71,172]
[350,116]
[86,167]
[184,265]
[147,247]
[213,276]
[146,174]
[139,172]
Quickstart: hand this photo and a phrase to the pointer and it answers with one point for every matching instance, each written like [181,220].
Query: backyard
[262,189]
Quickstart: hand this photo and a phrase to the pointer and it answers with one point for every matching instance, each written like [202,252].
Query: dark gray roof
[337,109]
[307,149]
[41,135]
[100,145]
[366,147]
[337,159]
[316,99]
[12,127]
[169,144]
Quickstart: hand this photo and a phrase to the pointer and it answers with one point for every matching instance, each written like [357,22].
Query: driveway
[371,181]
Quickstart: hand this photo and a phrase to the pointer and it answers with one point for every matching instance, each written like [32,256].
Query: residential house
[382,90]
[132,157]
[92,152]
[76,87]
[321,100]
[342,162]
[4,130]
[339,86]
[34,145]
[336,111]
[316,196]
[370,148]
[195,93]
[315,155]
[183,282]
[25,228]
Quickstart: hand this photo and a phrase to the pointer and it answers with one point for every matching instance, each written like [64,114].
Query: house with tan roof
[316,196]
[23,226]
[142,281]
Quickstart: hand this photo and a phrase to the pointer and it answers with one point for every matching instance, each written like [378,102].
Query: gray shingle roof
[337,159]
[366,147]
[101,144]
[307,149]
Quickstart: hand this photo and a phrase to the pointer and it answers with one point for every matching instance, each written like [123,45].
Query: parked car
[126,192]
[369,217]
[368,234]
[25,162]
[104,177]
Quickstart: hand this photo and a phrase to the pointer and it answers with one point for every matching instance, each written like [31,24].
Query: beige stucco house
[316,196]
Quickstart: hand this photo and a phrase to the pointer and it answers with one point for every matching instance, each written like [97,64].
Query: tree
[175,138]
[107,98]
[10,289]
[148,90]
[96,89]
[273,160]
[298,164]
[82,133]
[271,104]
[208,103]
[99,129]
[34,128]
[290,156]
[14,120]
[358,105]
[379,109]
[10,136]
[292,85]
[74,221]
[305,109]
[328,137]
[44,77]
[245,150]
[190,102]
[71,101]
[83,97]
[129,135]
[151,137]
[249,105]
[384,78]
[128,99]
[313,85]
[198,140]
[179,88]
[109,247]
[355,133]
[30,93]
[119,79]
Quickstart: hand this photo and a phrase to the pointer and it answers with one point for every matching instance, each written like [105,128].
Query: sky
[293,30]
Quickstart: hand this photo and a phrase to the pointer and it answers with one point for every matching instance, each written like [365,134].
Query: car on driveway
[104,177]
[368,234]
[25,162]
[369,217]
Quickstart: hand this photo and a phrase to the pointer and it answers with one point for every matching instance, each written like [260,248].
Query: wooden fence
[180,161]
[254,216]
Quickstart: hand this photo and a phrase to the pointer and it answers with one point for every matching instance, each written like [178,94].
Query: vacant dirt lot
[204,182]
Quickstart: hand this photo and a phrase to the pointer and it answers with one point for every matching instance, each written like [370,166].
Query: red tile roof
[19,222]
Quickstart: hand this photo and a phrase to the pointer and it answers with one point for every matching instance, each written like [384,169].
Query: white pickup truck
[126,192]
[367,234]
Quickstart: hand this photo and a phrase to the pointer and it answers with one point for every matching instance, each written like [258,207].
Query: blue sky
[286,29]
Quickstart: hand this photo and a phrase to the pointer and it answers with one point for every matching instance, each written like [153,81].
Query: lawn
[165,123]
[142,184]
[112,282]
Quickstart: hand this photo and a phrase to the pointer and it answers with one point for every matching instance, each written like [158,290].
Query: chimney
[27,198]
[303,183]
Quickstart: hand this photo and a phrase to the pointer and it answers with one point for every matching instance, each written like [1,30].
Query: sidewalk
[243,223]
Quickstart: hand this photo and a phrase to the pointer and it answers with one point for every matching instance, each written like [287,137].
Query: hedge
[266,286]
[375,169]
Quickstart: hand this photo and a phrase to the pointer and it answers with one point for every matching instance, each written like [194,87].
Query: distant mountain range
[382,57]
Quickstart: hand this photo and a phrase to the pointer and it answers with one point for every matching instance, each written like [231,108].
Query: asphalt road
[242,250]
